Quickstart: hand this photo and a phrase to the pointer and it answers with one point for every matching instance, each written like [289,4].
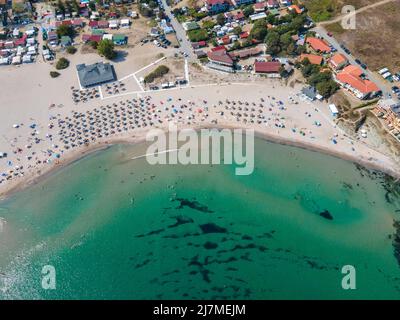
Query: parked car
[358,61]
[395,89]
[330,34]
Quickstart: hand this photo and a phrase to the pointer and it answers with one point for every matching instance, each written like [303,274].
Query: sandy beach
[42,128]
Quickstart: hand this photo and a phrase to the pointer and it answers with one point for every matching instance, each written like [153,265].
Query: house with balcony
[217,6]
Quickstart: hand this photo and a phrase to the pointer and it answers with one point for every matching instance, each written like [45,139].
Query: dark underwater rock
[193,205]
[210,245]
[212,228]
[326,214]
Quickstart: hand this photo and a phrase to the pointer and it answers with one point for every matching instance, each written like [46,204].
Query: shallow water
[120,229]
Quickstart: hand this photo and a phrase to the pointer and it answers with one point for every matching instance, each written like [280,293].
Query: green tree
[106,48]
[221,19]
[248,11]
[259,30]
[65,30]
[327,88]
[237,30]
[273,43]
[60,6]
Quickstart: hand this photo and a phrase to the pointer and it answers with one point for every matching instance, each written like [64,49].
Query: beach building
[95,74]
[271,68]
[334,111]
[353,79]
[220,57]
[309,93]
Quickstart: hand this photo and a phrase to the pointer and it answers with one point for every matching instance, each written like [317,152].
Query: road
[380,82]
[180,33]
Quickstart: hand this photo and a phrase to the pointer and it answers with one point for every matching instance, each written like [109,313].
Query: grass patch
[335,28]
[322,10]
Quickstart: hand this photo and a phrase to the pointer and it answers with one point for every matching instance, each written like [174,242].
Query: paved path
[180,32]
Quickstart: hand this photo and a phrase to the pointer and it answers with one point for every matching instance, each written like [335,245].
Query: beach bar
[95,74]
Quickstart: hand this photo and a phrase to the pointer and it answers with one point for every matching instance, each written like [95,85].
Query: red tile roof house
[338,61]
[220,57]
[91,37]
[244,35]
[350,78]
[52,36]
[313,58]
[271,4]
[20,41]
[102,24]
[217,6]
[267,67]
[296,9]
[260,6]
[93,24]
[200,44]
[239,16]
[77,23]
[318,45]
[66,22]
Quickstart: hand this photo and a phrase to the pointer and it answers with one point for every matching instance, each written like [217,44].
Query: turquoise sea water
[121,229]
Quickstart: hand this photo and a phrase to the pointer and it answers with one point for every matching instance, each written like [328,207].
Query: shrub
[54,74]
[93,44]
[62,63]
[71,49]
[106,48]
[157,73]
